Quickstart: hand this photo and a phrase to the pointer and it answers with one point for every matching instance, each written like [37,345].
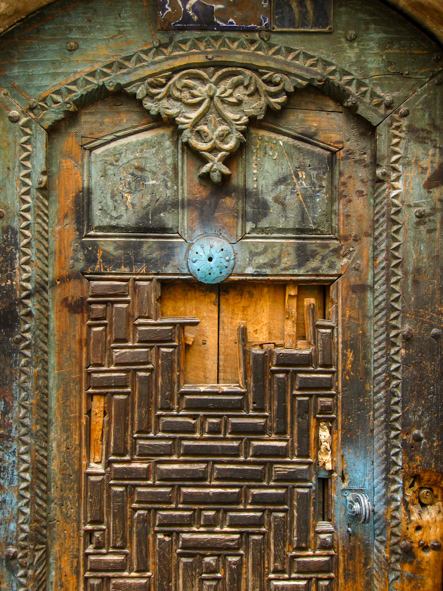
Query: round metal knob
[407,546]
[426,496]
[360,507]
[211,259]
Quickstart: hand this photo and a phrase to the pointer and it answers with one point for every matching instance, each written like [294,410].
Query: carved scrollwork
[212,107]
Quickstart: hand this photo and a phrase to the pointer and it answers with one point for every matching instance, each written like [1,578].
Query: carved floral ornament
[212,107]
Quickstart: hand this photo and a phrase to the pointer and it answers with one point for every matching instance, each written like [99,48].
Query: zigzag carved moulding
[300,66]
[26,369]
[395,349]
[33,365]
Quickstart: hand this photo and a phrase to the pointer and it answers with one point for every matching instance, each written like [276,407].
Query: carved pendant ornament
[212,107]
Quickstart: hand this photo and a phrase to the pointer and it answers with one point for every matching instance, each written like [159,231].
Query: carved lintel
[325,445]
[213,106]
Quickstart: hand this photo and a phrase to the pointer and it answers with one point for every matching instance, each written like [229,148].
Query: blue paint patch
[211,259]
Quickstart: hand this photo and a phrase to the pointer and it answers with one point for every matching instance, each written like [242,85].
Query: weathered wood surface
[124,32]
[134,381]
[422,424]
[355,297]
[10,345]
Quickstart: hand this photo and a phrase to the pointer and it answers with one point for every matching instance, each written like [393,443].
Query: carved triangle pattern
[301,66]
[395,353]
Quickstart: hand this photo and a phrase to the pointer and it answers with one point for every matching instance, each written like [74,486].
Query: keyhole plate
[211,259]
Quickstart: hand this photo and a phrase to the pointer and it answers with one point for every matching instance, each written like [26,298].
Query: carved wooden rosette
[212,107]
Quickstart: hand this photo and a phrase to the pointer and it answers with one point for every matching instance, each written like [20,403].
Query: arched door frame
[36,118]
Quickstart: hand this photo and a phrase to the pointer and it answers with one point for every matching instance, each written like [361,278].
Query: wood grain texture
[421,421]
[260,307]
[201,341]
[355,293]
[399,60]
[67,295]
[97,415]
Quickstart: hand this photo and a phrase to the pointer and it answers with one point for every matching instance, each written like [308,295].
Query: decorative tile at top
[212,107]
[214,14]
[302,15]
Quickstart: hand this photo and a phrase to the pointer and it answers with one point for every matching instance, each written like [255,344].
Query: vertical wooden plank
[310,305]
[261,308]
[68,289]
[118,517]
[97,345]
[242,338]
[259,379]
[141,541]
[280,404]
[166,378]
[356,326]
[209,210]
[95,508]
[95,584]
[324,345]
[302,427]
[302,517]
[97,416]
[144,300]
[120,323]
[144,395]
[421,166]
[234,573]
[187,573]
[291,315]
[163,563]
[120,419]
[256,563]
[278,542]
[201,341]
[315,292]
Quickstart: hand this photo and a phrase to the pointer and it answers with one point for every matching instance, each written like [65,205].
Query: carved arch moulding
[297,67]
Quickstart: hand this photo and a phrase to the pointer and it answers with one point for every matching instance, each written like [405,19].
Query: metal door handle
[359,506]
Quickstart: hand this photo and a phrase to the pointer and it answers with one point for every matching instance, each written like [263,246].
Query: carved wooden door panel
[220,304]
[211,448]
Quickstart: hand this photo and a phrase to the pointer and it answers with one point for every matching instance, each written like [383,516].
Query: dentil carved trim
[212,107]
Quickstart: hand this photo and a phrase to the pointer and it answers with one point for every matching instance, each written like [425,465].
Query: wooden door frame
[33,204]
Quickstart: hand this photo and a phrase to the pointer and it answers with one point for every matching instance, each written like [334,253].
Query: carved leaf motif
[212,107]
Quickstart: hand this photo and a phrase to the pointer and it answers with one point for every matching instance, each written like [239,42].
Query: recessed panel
[288,186]
[133,184]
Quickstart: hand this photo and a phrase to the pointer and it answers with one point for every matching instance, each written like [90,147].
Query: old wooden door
[209,330]
[214,227]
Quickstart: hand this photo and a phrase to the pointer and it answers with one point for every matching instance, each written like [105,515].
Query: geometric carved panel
[201,487]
